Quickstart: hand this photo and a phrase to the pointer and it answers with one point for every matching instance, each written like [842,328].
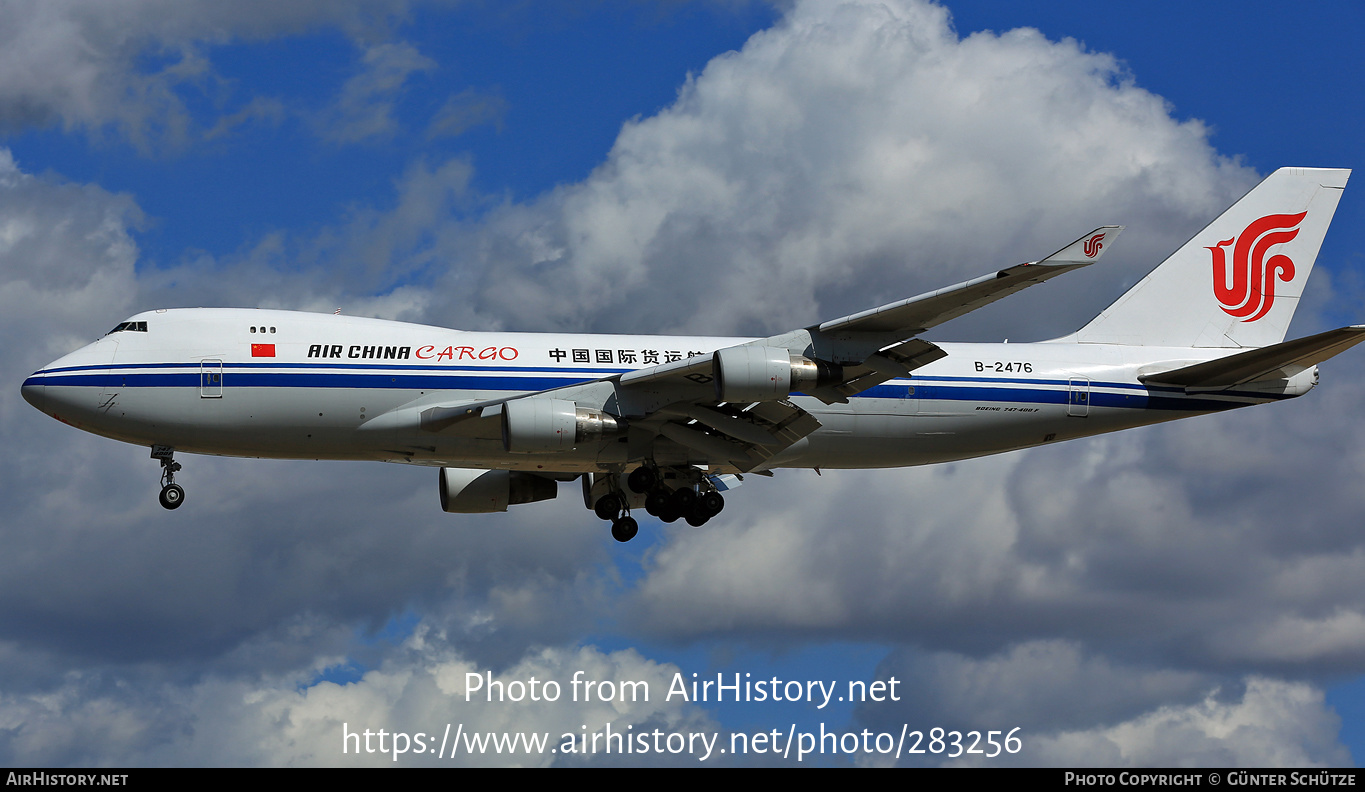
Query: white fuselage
[263,383]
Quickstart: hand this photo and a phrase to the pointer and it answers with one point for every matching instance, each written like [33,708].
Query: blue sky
[424,161]
[560,83]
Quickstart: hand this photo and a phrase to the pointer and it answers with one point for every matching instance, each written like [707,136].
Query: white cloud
[418,690]
[1274,724]
[365,107]
[77,63]
[1070,708]
[65,249]
[1035,685]
[467,109]
[852,153]
[372,262]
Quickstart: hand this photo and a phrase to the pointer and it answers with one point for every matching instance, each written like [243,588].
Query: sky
[1188,594]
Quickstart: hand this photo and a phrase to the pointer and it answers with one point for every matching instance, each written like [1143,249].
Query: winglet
[1085,250]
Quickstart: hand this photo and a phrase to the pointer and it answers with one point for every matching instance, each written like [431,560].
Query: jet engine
[754,374]
[465,491]
[536,425]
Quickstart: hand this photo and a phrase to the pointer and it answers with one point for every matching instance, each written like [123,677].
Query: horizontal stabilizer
[1280,361]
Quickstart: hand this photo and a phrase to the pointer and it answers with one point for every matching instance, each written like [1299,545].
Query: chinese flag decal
[263,350]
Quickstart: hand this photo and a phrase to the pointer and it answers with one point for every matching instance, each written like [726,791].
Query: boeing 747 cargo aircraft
[667,423]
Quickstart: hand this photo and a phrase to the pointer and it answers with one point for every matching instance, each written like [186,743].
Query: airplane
[668,423]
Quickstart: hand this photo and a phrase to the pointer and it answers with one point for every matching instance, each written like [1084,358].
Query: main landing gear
[613,507]
[172,495]
[669,505]
[685,502]
[624,528]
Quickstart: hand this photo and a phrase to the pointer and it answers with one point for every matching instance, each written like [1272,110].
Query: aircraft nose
[67,387]
[40,394]
[33,392]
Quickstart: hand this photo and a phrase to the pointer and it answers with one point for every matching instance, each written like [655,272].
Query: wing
[874,346]
[731,409]
[917,314]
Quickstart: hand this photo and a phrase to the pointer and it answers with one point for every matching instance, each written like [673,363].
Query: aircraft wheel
[669,513]
[713,502]
[682,499]
[642,479]
[657,502]
[608,507]
[172,496]
[697,516]
[624,529]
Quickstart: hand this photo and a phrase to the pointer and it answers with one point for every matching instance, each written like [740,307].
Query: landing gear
[612,507]
[688,494]
[172,494]
[657,501]
[704,507]
[679,503]
[643,479]
[624,529]
[684,503]
[608,507]
[707,505]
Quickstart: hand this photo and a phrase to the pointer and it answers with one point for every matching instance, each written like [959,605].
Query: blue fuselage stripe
[521,380]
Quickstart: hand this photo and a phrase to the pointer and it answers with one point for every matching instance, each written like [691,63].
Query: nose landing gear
[172,494]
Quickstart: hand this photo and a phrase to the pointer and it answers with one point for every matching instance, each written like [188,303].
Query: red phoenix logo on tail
[1250,292]
[1092,245]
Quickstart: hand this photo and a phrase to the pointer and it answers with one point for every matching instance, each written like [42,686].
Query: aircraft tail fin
[1236,283]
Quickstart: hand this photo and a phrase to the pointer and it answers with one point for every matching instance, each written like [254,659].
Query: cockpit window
[134,327]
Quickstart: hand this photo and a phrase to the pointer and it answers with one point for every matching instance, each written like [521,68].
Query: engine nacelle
[754,374]
[532,426]
[465,491]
